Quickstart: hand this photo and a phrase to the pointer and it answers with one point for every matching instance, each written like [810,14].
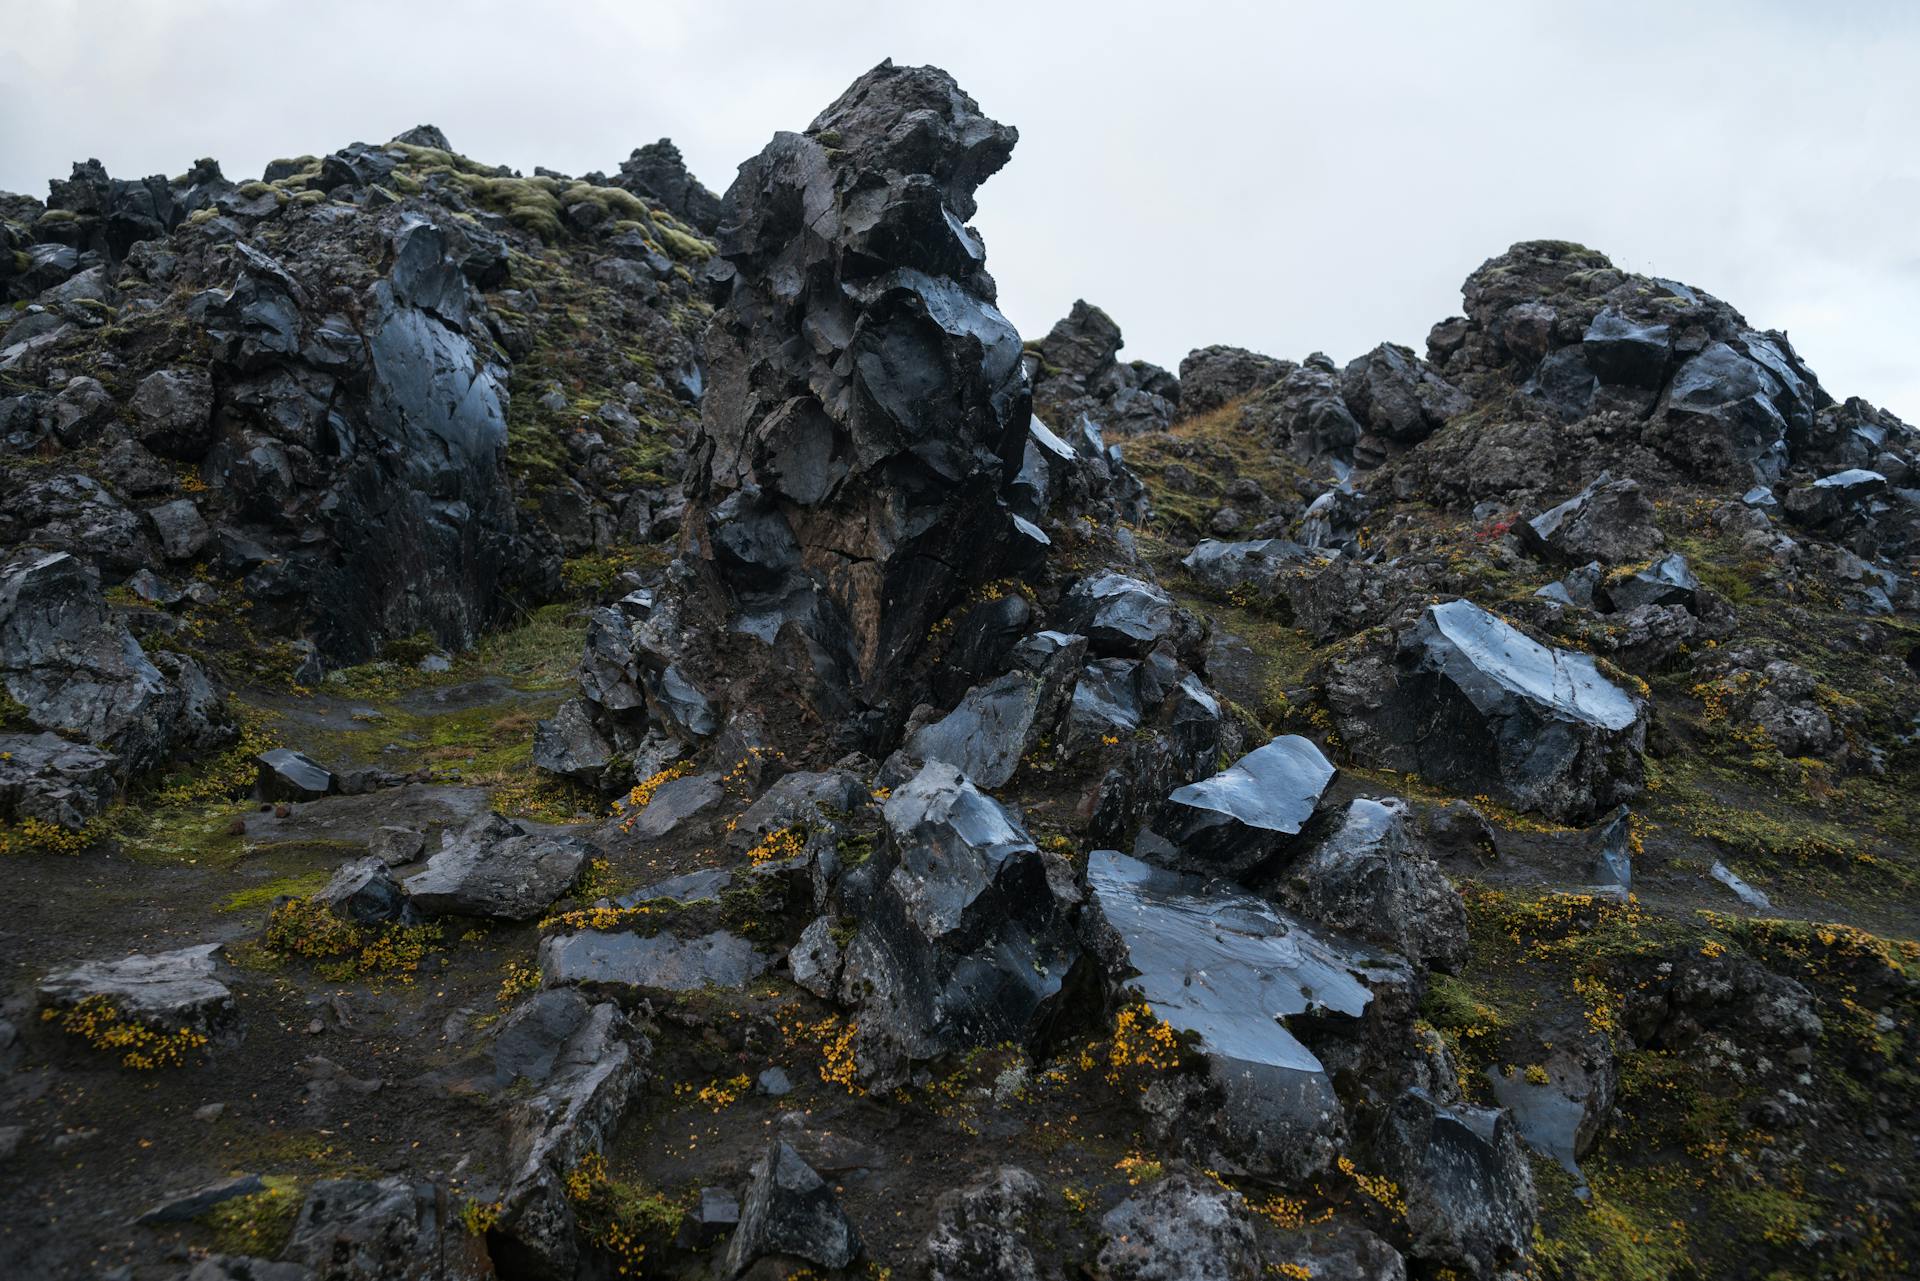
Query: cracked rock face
[75,667]
[865,406]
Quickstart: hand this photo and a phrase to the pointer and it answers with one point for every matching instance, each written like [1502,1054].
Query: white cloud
[1283,176]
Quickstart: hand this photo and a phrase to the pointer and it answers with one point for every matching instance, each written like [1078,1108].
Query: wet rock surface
[1231,822]
[882,641]
[1228,969]
[1467,698]
[964,944]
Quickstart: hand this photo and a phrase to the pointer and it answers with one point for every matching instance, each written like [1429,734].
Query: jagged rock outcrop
[582,1063]
[1075,374]
[1212,376]
[73,667]
[658,170]
[865,407]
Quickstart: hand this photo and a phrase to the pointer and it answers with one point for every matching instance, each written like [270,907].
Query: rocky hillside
[573,727]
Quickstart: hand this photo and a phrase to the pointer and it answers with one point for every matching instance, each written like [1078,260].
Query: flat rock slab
[1228,969]
[703,886]
[491,867]
[169,989]
[650,962]
[192,1205]
[357,819]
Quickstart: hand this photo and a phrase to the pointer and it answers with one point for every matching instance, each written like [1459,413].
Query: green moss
[1621,1234]
[56,218]
[298,885]
[256,1225]
[683,246]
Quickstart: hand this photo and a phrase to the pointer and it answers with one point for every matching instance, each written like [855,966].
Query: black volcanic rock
[1212,376]
[658,170]
[1075,372]
[1471,702]
[865,407]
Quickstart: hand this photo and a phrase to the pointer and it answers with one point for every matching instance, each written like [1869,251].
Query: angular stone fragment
[360,1230]
[795,800]
[1225,566]
[1667,581]
[674,802]
[581,1086]
[1624,351]
[1469,1191]
[173,409]
[45,777]
[1473,704]
[1610,521]
[965,944]
[396,846]
[790,1210]
[1122,615]
[1230,823]
[1372,878]
[364,892]
[287,775]
[571,745]
[74,667]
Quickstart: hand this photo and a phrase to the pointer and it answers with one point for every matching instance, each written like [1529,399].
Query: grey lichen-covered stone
[490,867]
[629,964]
[1180,1229]
[980,1232]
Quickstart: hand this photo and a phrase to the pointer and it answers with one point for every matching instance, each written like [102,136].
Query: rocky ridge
[1001,877]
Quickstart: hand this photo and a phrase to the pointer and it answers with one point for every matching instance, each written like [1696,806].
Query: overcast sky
[1282,176]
